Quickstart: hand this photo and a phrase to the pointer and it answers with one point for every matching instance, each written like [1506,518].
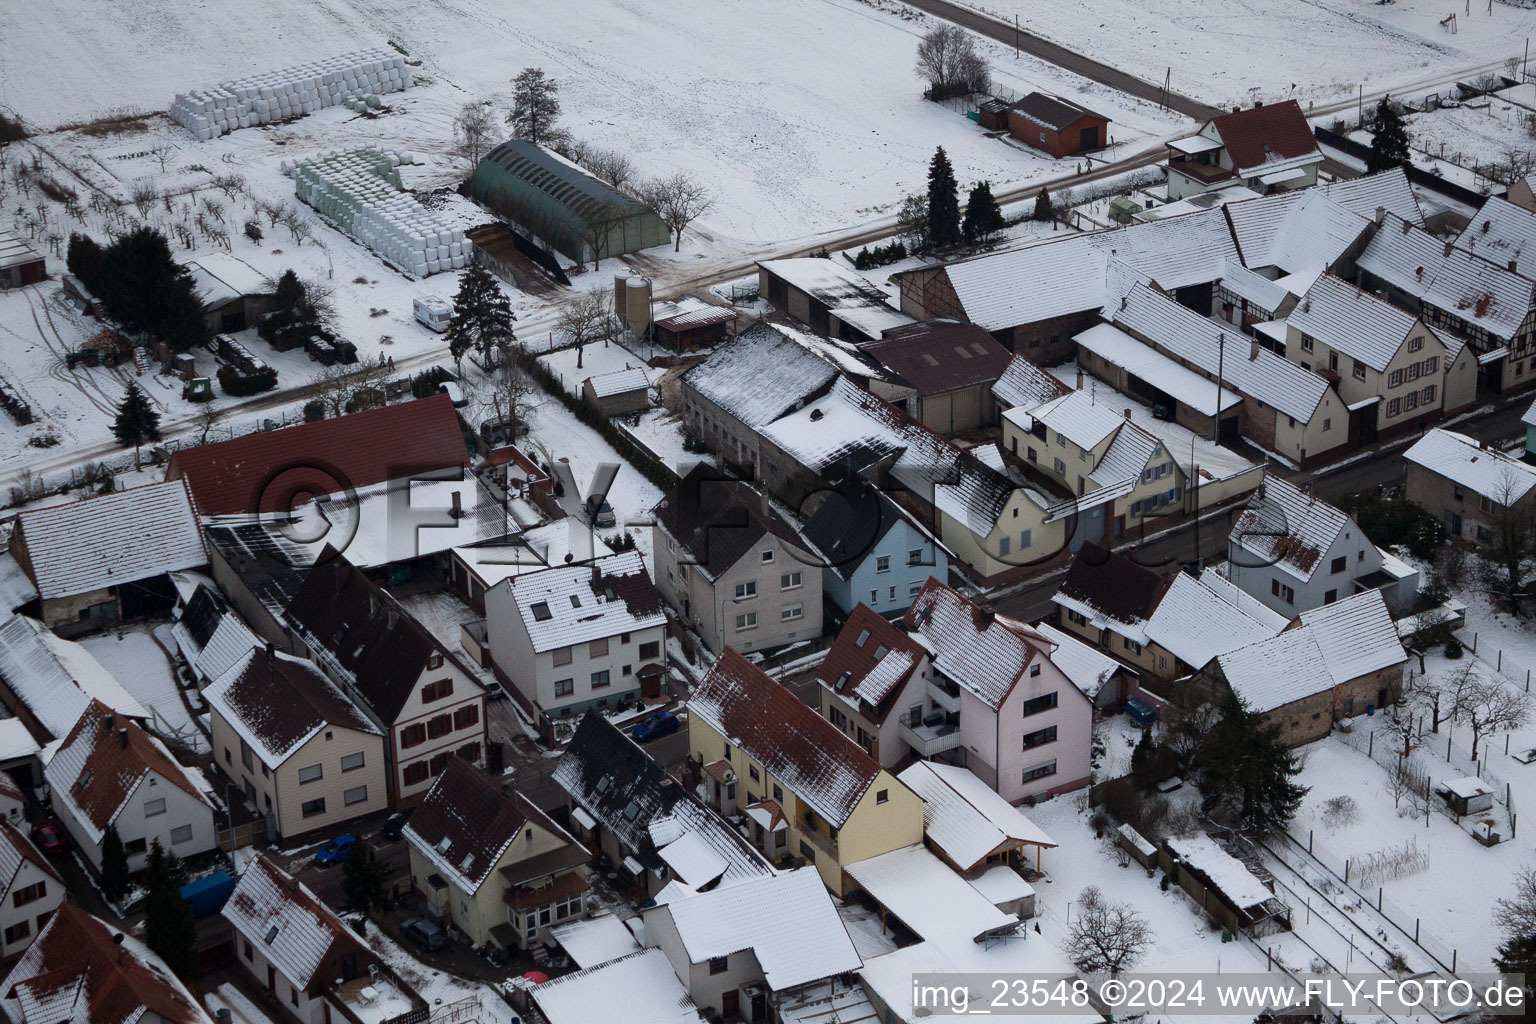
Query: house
[1107,599]
[744,950]
[1146,374]
[108,773]
[82,969]
[944,373]
[1267,148]
[734,568]
[233,293]
[1521,194]
[30,890]
[839,806]
[505,873]
[1293,552]
[624,806]
[210,634]
[1337,661]
[1024,383]
[1002,708]
[47,682]
[1105,681]
[311,963]
[1247,298]
[1195,625]
[1502,233]
[1392,370]
[828,297]
[968,825]
[13,799]
[476,568]
[428,704]
[1057,126]
[20,264]
[874,681]
[303,754]
[618,393]
[105,560]
[638,988]
[257,577]
[1466,484]
[579,636]
[997,521]
[874,553]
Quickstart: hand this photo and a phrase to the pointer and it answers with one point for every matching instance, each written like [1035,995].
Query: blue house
[875,554]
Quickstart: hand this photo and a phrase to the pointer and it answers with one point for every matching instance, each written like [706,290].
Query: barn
[1057,126]
[20,264]
[617,393]
[233,293]
[563,207]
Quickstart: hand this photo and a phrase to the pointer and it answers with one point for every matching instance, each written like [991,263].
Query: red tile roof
[1275,131]
[849,667]
[277,470]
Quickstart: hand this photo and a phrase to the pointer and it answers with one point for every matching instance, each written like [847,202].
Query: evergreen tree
[983,217]
[147,291]
[1045,210]
[365,880]
[535,106]
[114,866]
[290,295]
[482,315]
[1389,145]
[84,259]
[943,201]
[170,927]
[137,421]
[1517,955]
[1247,772]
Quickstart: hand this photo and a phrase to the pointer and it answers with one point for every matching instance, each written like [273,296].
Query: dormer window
[435,660]
[862,638]
[541,612]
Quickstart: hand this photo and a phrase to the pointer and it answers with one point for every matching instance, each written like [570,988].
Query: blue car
[663,723]
[336,851]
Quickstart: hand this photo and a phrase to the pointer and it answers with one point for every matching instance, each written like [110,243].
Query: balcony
[935,735]
[945,693]
[823,842]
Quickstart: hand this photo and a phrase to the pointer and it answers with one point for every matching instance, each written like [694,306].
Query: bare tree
[1509,553]
[473,128]
[1489,706]
[601,223]
[342,389]
[608,164]
[505,394]
[208,417]
[298,225]
[679,200]
[1517,914]
[947,60]
[583,318]
[231,185]
[1106,936]
[144,197]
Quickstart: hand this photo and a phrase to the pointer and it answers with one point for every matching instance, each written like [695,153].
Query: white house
[30,891]
[874,681]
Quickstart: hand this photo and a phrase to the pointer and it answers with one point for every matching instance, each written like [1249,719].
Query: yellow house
[765,751]
[492,864]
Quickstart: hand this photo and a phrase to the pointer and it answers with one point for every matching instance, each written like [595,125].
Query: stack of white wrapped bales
[354,79]
[359,191]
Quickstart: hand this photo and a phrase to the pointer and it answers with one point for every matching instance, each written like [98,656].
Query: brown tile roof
[275,470]
[276,703]
[721,771]
[815,761]
[936,356]
[849,668]
[717,520]
[1259,135]
[17,849]
[1113,584]
[75,971]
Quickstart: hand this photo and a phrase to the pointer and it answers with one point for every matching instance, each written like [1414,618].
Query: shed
[993,115]
[20,264]
[1057,126]
[567,209]
[232,292]
[618,393]
[690,324]
[1470,795]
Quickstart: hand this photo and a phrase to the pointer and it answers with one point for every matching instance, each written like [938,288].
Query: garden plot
[596,359]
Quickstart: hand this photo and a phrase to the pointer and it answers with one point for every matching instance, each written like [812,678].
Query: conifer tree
[1389,145]
[983,217]
[114,866]
[482,316]
[170,927]
[943,201]
[137,421]
[1045,209]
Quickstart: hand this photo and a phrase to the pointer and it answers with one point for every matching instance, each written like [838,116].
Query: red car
[48,837]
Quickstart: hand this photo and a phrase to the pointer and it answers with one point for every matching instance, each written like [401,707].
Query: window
[541,612]
[791,612]
[914,588]
[1395,379]
[562,657]
[438,763]
[1414,344]
[471,752]
[601,680]
[355,795]
[746,590]
[434,660]
[135,846]
[1394,407]
[1339,564]
[1282,591]
[1040,771]
[245,757]
[1358,370]
[1431,365]
[436,691]
[415,772]
[1412,373]
[789,581]
[1061,467]
[18,931]
[882,796]
[154,807]
[882,563]
[747,620]
[768,556]
[310,808]
[717,964]
[623,638]
[565,687]
[1306,343]
[1004,545]
[861,639]
[1024,539]
[1035,705]
[1034,670]
[30,894]
[1485,503]
[915,556]
[351,762]
[778,793]
[1330,597]
[311,773]
[466,716]
[598,648]
[651,649]
[1410,401]
[1429,394]
[181,834]
[1040,737]
[249,953]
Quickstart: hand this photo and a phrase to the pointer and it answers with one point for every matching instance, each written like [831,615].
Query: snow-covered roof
[533,550]
[1226,872]
[1295,231]
[1189,388]
[15,740]
[870,662]
[1071,272]
[847,295]
[1356,635]
[760,374]
[1240,599]
[1079,418]
[1088,667]
[1529,418]
[1390,190]
[1263,292]
[1484,471]
[1176,253]
[1351,321]
[56,679]
[1196,625]
[1001,884]
[638,988]
[1023,384]
[964,817]
[690,857]
[977,494]
[1285,526]
[279,915]
[592,941]
[111,540]
[1215,349]
[1468,787]
[927,895]
[219,278]
[688,313]
[16,587]
[14,252]
[619,382]
[277,703]
[1502,233]
[578,603]
[979,651]
[786,920]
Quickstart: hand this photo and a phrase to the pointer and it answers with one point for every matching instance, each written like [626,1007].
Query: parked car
[49,837]
[394,826]
[600,515]
[424,933]
[336,851]
[663,723]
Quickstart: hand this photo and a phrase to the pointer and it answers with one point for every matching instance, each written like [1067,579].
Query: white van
[434,314]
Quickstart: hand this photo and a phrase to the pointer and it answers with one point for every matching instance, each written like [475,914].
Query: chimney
[1512,266]
[1127,414]
[1448,248]
[1079,378]
[1237,110]
[457,511]
[1125,300]
[1381,215]
[122,739]
[271,650]
[1253,349]
[293,885]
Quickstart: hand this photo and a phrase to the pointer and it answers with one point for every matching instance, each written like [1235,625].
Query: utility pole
[1360,108]
[1015,37]
[1221,361]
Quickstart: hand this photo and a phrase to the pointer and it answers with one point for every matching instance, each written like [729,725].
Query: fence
[1417,175]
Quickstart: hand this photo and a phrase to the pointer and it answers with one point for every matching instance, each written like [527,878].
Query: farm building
[20,264]
[568,210]
[617,393]
[828,297]
[233,292]
[1057,126]
[949,369]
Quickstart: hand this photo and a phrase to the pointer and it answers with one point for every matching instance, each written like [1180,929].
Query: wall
[466,692]
[1360,558]
[875,828]
[1073,719]
[885,742]
[309,1009]
[741,968]
[926,293]
[64,614]
[34,914]
[1150,661]
[872,587]
[1047,540]
[1460,381]
[722,432]
[1438,494]
[181,808]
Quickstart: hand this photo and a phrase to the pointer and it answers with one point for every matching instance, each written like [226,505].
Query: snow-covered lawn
[1245,50]
[661,433]
[140,664]
[596,360]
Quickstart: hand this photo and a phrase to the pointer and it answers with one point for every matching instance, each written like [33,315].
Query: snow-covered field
[1240,51]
